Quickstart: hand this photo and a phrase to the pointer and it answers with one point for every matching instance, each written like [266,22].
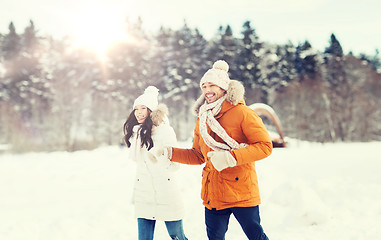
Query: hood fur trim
[234,95]
[159,114]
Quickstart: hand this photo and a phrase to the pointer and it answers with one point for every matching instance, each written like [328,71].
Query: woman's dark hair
[145,130]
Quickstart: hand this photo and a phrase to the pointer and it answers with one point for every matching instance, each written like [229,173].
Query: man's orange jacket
[234,186]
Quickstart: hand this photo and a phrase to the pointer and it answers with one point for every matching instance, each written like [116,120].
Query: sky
[309,191]
[356,24]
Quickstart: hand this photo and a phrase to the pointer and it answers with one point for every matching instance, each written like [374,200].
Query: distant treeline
[55,96]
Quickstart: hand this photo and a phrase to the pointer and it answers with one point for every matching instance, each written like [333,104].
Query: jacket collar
[159,115]
[226,106]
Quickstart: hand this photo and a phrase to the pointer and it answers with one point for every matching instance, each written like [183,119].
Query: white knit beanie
[148,98]
[218,75]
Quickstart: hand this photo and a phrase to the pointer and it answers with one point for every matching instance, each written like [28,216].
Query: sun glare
[98,28]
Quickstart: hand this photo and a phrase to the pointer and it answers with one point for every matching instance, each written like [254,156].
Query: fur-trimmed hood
[159,115]
[234,95]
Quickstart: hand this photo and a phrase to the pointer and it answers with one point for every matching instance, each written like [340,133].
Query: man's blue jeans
[217,222]
[146,229]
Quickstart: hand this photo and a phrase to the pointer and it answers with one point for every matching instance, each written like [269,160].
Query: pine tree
[11,44]
[225,47]
[249,57]
[38,77]
[26,84]
[286,54]
[335,47]
[340,98]
[10,50]
[182,57]
[162,58]
[306,61]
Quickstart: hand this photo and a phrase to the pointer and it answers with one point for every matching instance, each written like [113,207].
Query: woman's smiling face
[141,113]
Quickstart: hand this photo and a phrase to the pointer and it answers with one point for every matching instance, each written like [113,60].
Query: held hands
[152,157]
[222,160]
[162,156]
[165,152]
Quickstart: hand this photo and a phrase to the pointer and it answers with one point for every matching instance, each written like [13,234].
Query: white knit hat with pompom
[148,98]
[217,75]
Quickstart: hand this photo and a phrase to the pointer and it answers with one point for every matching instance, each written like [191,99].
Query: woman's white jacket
[156,195]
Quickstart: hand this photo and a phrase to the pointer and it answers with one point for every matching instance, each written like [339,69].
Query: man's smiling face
[212,92]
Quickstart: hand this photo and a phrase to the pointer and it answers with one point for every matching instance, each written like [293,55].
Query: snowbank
[309,191]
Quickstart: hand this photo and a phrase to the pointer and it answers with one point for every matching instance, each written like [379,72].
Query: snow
[309,191]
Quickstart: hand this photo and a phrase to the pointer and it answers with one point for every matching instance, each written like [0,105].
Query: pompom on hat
[148,98]
[217,75]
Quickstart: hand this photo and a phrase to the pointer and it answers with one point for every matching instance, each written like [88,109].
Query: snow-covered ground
[309,191]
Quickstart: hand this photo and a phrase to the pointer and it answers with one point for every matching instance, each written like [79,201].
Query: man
[229,136]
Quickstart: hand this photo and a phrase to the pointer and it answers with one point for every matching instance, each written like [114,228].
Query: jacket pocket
[143,191]
[237,186]
[166,190]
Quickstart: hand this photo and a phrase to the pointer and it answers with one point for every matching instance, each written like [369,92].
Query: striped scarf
[206,115]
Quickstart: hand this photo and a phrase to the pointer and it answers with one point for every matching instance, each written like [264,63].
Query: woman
[156,196]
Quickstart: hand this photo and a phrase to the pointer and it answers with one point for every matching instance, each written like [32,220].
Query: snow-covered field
[309,191]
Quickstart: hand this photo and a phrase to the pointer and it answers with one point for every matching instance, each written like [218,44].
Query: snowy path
[309,192]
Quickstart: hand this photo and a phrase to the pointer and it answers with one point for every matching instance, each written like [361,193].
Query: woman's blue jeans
[217,222]
[146,229]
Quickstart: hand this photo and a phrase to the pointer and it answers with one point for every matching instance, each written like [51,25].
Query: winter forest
[56,96]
